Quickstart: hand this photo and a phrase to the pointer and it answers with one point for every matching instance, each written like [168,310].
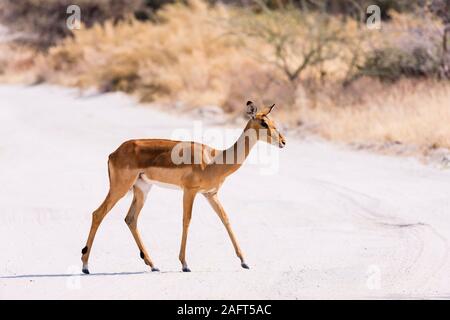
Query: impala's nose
[282,142]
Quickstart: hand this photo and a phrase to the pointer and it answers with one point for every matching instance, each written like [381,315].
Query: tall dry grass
[196,55]
[17,63]
[411,113]
[201,55]
[186,56]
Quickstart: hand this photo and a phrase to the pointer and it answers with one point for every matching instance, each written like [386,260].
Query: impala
[192,167]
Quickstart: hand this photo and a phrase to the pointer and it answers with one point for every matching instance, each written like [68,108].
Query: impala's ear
[251,109]
[267,110]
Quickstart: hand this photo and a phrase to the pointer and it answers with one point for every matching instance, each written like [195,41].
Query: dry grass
[195,54]
[17,63]
[198,55]
[185,57]
[41,23]
[414,113]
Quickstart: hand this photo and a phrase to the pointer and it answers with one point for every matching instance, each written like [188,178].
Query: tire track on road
[424,233]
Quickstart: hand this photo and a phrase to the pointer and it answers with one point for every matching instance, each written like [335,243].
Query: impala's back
[162,161]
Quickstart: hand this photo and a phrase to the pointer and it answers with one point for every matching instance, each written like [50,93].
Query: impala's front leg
[188,200]
[215,204]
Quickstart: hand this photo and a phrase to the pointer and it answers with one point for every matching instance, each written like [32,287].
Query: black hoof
[155,269]
[186,269]
[85,271]
[244,265]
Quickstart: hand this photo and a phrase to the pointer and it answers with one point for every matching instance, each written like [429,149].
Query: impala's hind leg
[140,189]
[120,183]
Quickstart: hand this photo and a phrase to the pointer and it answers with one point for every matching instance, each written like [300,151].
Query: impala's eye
[264,124]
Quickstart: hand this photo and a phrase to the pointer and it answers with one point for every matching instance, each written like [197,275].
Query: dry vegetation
[411,113]
[318,68]
[42,23]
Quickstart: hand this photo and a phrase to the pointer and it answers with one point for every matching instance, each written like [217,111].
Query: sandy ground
[324,222]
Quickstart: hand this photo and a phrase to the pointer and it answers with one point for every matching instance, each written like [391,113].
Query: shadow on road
[63,275]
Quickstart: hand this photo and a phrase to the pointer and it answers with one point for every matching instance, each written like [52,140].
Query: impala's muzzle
[281,142]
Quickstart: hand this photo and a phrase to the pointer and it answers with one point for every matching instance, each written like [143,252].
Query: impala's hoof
[186,269]
[155,269]
[244,265]
[85,268]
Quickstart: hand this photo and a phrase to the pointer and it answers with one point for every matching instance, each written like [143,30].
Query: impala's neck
[231,159]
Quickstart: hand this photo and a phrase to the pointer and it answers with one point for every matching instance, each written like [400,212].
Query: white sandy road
[331,223]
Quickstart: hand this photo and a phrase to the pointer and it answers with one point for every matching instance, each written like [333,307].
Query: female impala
[139,164]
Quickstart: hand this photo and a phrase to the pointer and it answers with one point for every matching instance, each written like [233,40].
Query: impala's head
[265,128]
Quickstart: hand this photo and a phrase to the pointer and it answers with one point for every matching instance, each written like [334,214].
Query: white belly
[148,181]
